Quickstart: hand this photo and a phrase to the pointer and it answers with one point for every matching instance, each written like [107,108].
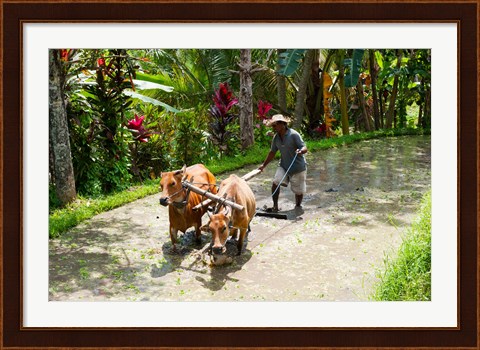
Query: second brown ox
[180,202]
[228,221]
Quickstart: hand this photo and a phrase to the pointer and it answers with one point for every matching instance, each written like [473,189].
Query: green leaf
[289,61]
[148,85]
[150,100]
[353,66]
[423,73]
[379,58]
[413,85]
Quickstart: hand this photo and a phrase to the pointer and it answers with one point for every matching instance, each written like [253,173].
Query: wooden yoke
[210,195]
[246,177]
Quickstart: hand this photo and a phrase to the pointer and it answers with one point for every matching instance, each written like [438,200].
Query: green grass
[408,276]
[254,155]
[61,220]
[322,144]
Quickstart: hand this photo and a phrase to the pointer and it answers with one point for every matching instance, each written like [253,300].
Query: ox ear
[205,228]
[184,173]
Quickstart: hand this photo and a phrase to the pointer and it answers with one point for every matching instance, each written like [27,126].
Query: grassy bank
[61,220]
[408,276]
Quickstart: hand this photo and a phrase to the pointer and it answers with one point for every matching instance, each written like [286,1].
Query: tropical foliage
[134,113]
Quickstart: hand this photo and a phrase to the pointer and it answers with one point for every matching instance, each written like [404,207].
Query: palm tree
[343,95]
[373,75]
[393,95]
[302,89]
[245,101]
[58,129]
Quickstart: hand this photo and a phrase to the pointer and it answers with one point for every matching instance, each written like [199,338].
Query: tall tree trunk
[373,75]
[343,95]
[420,115]
[393,96]
[302,89]
[421,109]
[245,99]
[361,100]
[281,88]
[427,116]
[382,105]
[58,130]
[314,92]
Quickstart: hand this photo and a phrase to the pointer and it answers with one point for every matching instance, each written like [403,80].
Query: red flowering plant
[140,134]
[101,62]
[220,112]
[137,129]
[320,131]
[110,71]
[263,107]
[66,54]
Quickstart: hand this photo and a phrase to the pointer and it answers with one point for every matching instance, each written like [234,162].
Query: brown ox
[229,221]
[174,195]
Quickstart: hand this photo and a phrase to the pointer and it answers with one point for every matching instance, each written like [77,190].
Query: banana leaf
[379,59]
[148,85]
[158,79]
[150,100]
[353,66]
[289,61]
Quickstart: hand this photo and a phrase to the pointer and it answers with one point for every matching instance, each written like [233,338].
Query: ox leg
[234,233]
[174,237]
[240,240]
[198,233]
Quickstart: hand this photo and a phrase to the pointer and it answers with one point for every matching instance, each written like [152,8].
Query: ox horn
[219,204]
[227,211]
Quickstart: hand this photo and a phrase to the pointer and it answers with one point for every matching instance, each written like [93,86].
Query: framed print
[31,318]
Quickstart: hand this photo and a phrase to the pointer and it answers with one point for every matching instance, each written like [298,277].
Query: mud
[361,198]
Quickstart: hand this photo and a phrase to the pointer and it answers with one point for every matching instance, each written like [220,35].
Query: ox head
[219,226]
[171,187]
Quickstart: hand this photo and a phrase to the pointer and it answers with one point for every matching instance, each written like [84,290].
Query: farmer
[292,148]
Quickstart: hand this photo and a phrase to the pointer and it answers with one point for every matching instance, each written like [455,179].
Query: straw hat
[278,118]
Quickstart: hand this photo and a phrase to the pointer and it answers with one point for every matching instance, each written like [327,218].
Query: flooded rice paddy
[361,198]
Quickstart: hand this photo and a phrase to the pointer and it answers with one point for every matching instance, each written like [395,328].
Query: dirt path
[361,198]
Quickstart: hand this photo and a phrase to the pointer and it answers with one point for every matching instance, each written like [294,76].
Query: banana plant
[353,66]
[140,88]
[289,61]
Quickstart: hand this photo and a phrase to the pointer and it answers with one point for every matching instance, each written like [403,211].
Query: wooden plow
[214,198]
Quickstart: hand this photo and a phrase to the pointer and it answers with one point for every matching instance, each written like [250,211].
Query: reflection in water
[374,163]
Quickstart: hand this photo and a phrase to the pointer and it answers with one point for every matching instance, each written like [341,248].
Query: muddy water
[360,200]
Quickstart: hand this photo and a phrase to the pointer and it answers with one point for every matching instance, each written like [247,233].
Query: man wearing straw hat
[292,167]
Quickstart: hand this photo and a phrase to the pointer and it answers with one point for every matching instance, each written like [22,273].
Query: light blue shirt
[287,146]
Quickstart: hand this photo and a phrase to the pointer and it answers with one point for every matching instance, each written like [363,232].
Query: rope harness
[276,189]
[184,202]
[286,173]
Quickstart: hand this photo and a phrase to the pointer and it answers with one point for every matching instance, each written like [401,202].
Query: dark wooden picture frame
[14,13]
